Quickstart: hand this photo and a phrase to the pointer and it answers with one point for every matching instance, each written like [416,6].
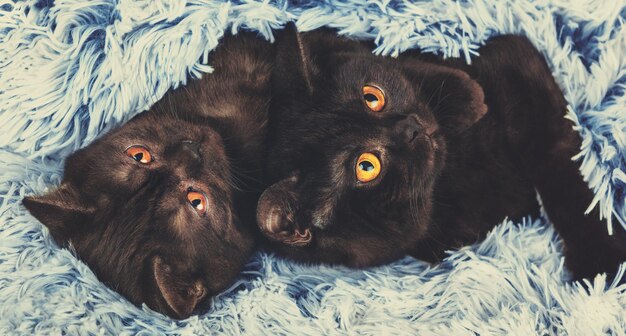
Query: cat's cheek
[431,160]
[435,154]
[181,223]
[212,145]
[440,156]
[222,221]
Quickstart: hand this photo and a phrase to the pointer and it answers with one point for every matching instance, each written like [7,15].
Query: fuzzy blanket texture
[72,69]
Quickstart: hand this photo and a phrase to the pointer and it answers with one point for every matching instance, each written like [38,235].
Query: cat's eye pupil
[196,202]
[374,98]
[139,154]
[366,166]
[370,98]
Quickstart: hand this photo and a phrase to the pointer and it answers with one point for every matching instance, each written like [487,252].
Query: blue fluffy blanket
[73,69]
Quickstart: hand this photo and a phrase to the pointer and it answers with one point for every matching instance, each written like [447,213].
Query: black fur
[133,224]
[484,137]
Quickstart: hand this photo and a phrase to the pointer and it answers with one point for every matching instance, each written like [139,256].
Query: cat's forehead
[345,82]
[162,130]
[154,128]
[372,69]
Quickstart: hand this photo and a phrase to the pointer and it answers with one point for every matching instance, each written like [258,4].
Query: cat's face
[149,207]
[361,141]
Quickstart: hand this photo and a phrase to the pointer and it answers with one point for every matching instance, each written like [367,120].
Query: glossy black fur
[485,137]
[132,223]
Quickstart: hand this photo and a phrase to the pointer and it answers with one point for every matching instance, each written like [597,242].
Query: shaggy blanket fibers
[72,69]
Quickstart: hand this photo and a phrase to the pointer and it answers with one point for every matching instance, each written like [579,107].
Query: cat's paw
[275,214]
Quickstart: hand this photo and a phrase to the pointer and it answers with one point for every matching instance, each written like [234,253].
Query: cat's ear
[61,210]
[457,100]
[181,292]
[294,69]
[275,214]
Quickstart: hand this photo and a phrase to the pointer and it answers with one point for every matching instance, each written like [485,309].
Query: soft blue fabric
[72,69]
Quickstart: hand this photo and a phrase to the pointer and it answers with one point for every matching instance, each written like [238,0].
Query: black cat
[163,208]
[373,158]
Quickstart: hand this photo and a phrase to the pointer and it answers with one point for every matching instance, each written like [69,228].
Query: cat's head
[358,142]
[149,207]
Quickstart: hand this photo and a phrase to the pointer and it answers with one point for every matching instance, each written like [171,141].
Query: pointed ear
[294,68]
[275,214]
[181,293]
[457,101]
[61,210]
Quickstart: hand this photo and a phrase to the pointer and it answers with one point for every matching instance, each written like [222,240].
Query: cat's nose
[409,128]
[193,147]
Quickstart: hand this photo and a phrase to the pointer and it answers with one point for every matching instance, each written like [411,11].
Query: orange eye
[139,153]
[197,200]
[367,167]
[374,97]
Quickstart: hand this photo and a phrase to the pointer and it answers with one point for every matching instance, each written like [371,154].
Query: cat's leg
[519,85]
